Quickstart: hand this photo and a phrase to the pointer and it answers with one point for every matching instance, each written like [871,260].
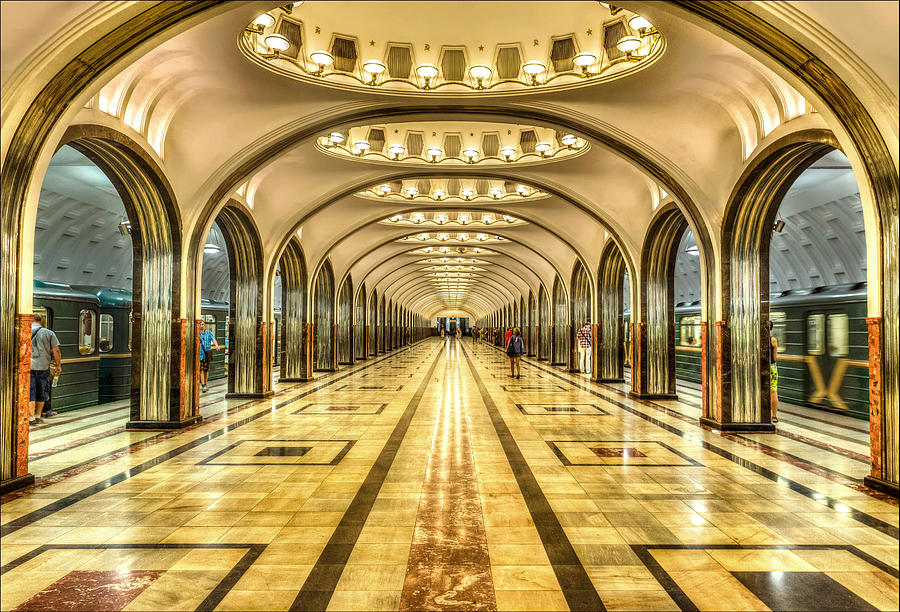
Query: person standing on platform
[207,345]
[515,347]
[506,336]
[44,348]
[773,370]
[584,338]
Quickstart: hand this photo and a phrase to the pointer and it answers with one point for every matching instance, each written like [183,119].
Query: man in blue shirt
[207,344]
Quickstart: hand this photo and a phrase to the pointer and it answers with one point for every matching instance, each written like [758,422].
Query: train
[93,326]
[823,347]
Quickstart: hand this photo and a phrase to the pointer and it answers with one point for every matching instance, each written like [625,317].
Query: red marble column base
[23,406]
[875,407]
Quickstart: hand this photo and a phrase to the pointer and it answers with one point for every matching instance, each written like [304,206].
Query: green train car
[823,347]
[73,316]
[114,342]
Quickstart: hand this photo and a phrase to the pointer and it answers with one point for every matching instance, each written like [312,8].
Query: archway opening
[559,338]
[346,329]
[323,317]
[214,308]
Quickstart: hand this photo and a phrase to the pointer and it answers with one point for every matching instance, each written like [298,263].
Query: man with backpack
[515,347]
[44,348]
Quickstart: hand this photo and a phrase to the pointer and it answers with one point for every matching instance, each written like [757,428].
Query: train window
[45,315]
[838,335]
[87,326]
[779,326]
[106,333]
[690,331]
[815,334]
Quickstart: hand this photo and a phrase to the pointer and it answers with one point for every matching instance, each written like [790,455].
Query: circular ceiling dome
[451,48]
[452,143]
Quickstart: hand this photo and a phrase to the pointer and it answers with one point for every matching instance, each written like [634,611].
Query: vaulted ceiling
[226,118]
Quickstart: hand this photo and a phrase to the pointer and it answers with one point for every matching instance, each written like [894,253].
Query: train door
[827,351]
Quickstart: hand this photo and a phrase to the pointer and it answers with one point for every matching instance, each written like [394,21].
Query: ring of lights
[447,199]
[262,42]
[325,145]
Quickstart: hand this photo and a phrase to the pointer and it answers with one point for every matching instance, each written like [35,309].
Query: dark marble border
[378,410]
[65,502]
[685,603]
[573,579]
[599,411]
[565,461]
[533,389]
[211,460]
[319,586]
[390,388]
[212,600]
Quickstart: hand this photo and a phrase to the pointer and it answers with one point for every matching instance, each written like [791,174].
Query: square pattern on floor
[369,388]
[348,408]
[577,409]
[281,452]
[645,453]
[124,576]
[774,577]
[524,388]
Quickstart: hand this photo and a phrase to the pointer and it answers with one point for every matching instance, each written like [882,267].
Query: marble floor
[427,479]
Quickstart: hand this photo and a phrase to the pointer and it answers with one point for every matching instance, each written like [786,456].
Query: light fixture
[779,226]
[583,60]
[416,217]
[508,152]
[440,218]
[336,138]
[434,153]
[125,226]
[384,189]
[411,192]
[692,250]
[463,219]
[427,72]
[444,249]
[481,236]
[627,44]
[495,192]
[362,146]
[439,193]
[533,69]
[508,219]
[470,154]
[373,68]
[423,236]
[428,249]
[443,237]
[467,193]
[209,248]
[266,20]
[463,236]
[396,150]
[543,148]
[480,73]
[521,189]
[569,139]
[639,23]
[277,43]
[322,59]
[487,219]
[396,218]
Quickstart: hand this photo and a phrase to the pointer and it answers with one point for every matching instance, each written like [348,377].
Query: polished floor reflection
[429,479]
